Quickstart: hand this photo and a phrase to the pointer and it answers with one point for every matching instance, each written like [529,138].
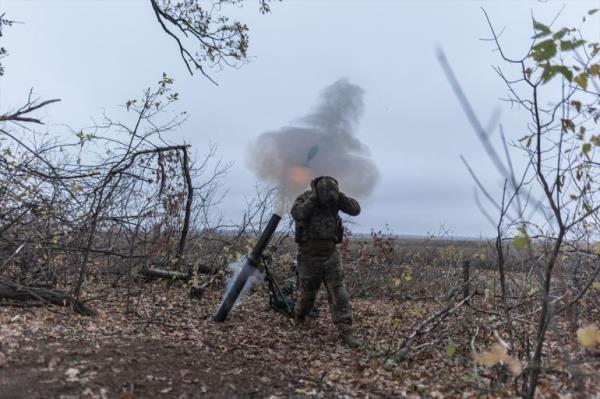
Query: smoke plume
[321,143]
[235,269]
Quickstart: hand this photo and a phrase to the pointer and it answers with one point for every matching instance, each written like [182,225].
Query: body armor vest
[323,224]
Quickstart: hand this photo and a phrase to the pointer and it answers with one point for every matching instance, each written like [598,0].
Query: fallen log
[168,274]
[173,275]
[21,293]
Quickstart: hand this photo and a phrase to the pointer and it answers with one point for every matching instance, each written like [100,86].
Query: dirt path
[62,369]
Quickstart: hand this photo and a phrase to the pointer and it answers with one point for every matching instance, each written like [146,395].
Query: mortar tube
[249,267]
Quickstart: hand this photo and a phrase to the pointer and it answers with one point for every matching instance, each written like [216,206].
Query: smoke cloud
[235,269]
[321,143]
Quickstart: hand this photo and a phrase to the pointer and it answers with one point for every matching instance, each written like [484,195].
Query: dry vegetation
[150,338]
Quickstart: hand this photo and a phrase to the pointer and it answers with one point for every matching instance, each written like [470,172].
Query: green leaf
[582,80]
[450,350]
[551,70]
[586,148]
[521,242]
[543,51]
[541,29]
[592,11]
[560,34]
[595,140]
[570,44]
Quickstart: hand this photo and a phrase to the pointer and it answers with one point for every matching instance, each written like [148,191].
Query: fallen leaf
[53,362]
[71,372]
[588,336]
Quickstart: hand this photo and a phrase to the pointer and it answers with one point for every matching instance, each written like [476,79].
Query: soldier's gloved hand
[329,199]
[327,192]
[348,205]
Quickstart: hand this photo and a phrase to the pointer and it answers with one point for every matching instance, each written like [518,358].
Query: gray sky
[95,55]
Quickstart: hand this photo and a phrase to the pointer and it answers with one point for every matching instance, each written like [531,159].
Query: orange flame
[299,178]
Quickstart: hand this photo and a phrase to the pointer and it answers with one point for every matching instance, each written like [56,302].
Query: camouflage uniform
[318,230]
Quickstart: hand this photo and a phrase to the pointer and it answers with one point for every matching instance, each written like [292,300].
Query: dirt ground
[168,347]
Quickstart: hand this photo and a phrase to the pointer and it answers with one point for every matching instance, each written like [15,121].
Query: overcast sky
[95,55]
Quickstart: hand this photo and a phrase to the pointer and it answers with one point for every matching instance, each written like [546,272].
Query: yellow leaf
[333,377]
[487,294]
[582,80]
[450,350]
[521,241]
[491,358]
[498,354]
[514,365]
[589,336]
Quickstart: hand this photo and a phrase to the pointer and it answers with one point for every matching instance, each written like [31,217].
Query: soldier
[318,231]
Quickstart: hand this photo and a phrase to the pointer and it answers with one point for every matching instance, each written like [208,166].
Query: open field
[151,339]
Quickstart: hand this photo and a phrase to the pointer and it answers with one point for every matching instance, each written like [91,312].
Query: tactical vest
[323,224]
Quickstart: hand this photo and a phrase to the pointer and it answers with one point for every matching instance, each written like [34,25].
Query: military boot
[349,340]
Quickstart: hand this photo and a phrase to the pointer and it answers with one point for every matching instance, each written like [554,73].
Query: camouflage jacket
[314,222]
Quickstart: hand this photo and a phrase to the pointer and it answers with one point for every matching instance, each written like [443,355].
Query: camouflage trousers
[312,270]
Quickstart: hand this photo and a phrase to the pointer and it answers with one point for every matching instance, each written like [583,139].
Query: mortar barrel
[249,267]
